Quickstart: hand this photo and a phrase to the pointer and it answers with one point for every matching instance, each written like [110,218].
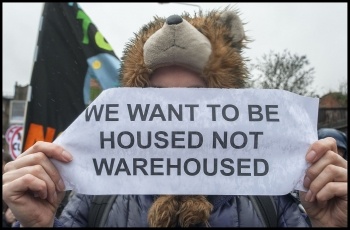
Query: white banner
[190,141]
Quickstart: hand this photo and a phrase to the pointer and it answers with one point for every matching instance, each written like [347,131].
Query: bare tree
[343,87]
[283,71]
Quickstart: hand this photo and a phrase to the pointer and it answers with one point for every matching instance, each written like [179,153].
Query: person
[339,136]
[179,51]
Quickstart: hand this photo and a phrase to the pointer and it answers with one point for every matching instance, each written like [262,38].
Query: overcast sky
[317,30]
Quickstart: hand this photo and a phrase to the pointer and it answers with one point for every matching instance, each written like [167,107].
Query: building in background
[333,111]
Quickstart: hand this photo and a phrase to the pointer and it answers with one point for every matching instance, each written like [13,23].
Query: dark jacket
[229,211]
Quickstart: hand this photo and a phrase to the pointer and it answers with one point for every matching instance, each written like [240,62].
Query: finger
[36,159]
[331,190]
[38,172]
[16,188]
[319,148]
[330,158]
[50,149]
[330,174]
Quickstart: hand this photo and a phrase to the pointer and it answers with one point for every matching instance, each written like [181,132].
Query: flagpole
[29,88]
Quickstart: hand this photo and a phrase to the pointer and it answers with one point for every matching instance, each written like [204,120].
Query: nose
[174,20]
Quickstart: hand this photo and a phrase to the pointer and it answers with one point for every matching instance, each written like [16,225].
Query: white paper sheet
[190,141]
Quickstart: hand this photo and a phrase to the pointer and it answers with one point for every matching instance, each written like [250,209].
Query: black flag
[72,65]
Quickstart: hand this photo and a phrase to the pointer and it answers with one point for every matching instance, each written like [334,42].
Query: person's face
[176,76]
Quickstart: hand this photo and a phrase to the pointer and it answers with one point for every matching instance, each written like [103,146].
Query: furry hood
[210,44]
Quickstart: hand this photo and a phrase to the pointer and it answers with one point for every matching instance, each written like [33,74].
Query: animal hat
[210,44]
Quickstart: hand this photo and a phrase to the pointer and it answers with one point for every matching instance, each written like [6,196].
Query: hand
[32,186]
[326,201]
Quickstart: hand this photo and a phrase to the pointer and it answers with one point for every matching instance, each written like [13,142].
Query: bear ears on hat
[235,25]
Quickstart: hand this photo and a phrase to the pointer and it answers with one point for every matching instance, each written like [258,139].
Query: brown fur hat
[224,68]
